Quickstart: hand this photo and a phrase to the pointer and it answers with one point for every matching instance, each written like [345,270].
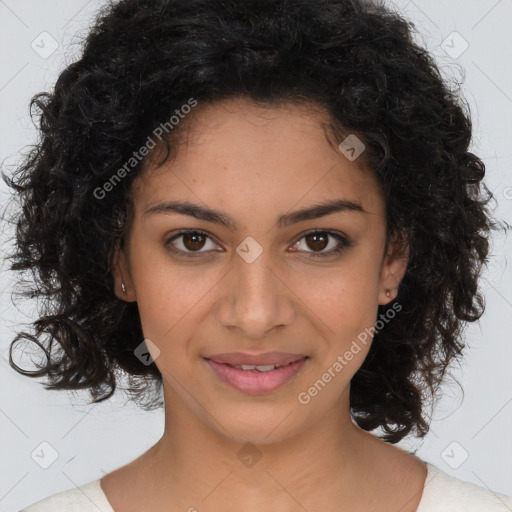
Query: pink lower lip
[250,381]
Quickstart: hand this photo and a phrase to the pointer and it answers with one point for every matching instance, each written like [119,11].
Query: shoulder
[445,493]
[86,498]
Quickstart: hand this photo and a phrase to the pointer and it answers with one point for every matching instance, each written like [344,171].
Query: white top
[441,493]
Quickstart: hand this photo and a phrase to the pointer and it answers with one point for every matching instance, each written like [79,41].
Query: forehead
[273,156]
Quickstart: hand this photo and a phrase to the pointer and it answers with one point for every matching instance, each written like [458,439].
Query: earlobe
[123,287]
[394,267]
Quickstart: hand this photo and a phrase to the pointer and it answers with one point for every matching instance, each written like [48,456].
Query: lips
[262,379]
[262,359]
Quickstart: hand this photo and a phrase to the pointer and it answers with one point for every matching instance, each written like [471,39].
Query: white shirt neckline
[101,499]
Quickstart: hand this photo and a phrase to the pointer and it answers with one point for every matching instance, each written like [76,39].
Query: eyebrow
[209,215]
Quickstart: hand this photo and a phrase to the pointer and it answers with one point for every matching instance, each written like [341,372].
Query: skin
[255,163]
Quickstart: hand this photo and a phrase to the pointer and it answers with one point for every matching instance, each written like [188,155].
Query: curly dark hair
[141,61]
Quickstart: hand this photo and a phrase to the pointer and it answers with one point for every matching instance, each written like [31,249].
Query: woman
[269,209]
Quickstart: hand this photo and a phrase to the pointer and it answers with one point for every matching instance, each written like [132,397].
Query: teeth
[260,368]
[266,368]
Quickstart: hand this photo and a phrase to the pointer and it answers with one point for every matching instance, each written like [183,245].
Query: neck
[207,469]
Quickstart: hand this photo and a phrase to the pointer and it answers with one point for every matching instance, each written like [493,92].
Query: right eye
[192,241]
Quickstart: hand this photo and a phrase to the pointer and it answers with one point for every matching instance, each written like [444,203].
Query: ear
[121,274]
[394,266]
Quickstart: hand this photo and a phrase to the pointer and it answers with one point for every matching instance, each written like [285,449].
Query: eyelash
[344,243]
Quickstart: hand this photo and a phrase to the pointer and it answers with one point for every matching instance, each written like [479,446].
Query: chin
[262,425]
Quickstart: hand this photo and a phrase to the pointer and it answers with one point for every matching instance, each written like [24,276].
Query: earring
[388,293]
[123,287]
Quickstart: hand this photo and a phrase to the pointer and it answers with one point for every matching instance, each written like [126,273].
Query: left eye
[193,241]
[318,240]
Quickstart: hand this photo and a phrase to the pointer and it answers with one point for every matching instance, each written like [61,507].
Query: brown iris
[316,244]
[193,241]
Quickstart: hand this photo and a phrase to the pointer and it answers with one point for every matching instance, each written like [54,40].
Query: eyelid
[344,242]
[182,232]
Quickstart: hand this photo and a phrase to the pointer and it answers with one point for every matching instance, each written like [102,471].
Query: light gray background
[93,440]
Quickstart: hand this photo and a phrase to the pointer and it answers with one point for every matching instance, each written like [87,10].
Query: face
[254,277]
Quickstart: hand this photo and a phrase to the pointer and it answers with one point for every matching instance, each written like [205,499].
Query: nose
[256,299]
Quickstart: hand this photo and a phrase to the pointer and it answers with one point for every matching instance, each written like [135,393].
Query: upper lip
[261,359]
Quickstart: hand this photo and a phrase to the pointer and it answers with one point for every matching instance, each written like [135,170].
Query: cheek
[346,298]
[169,297]
[341,300]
